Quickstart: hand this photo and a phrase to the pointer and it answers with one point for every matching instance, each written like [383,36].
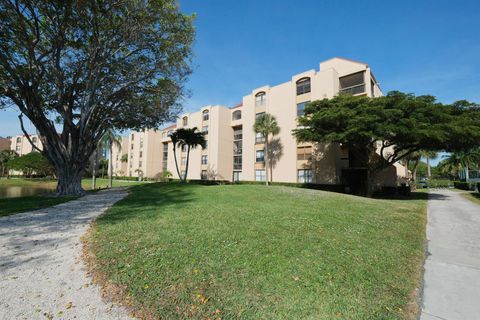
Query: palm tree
[176,142]
[429,155]
[191,138]
[266,125]
[108,140]
[458,161]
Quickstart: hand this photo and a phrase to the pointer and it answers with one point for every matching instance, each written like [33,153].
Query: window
[259,156]
[205,129]
[237,115]
[17,149]
[304,153]
[184,161]
[305,176]
[133,136]
[237,147]
[139,164]
[131,147]
[183,173]
[34,140]
[19,140]
[204,159]
[353,83]
[236,176]
[303,86]
[260,175]
[206,144]
[259,115]
[141,143]
[184,121]
[206,115]
[141,154]
[203,175]
[165,152]
[259,138]
[184,148]
[237,134]
[237,162]
[300,108]
[260,99]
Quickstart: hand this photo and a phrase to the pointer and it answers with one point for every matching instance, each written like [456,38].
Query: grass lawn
[21,204]
[472,196]
[252,252]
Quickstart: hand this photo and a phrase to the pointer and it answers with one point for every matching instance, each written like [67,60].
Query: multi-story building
[234,152]
[22,146]
[5,143]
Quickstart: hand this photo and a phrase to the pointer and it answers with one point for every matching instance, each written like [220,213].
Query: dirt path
[42,275]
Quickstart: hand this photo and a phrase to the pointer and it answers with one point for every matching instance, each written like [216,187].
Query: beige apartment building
[234,152]
[22,146]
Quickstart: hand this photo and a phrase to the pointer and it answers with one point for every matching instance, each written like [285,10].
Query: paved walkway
[41,273]
[452,269]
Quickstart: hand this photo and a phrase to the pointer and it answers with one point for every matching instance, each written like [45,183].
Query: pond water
[24,191]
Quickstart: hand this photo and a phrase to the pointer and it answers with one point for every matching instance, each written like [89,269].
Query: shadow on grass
[148,200]
[412,196]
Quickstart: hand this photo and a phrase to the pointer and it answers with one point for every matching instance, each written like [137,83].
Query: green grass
[472,196]
[252,252]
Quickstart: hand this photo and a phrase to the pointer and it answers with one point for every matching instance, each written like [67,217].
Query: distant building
[4,144]
[22,146]
[234,152]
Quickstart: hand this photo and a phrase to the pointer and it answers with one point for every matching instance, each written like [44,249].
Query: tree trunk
[176,162]
[186,165]
[69,181]
[110,166]
[429,170]
[265,156]
[94,169]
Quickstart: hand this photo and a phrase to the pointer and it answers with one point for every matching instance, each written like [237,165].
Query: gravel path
[42,275]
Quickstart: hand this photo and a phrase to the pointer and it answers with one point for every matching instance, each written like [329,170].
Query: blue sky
[430,46]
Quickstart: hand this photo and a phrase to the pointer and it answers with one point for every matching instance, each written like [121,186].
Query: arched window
[303,86]
[237,115]
[206,115]
[260,99]
[185,121]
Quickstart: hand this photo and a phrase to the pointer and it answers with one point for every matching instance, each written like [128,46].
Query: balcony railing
[356,89]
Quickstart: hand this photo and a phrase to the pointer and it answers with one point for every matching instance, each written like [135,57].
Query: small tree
[267,125]
[109,140]
[5,157]
[32,163]
[124,158]
[191,138]
[378,132]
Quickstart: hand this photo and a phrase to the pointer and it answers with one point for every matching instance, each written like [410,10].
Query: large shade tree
[78,68]
[381,131]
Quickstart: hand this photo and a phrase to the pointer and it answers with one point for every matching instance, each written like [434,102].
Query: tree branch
[20,117]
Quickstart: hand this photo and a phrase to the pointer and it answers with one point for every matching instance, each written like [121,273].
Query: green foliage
[267,125]
[398,121]
[92,66]
[5,157]
[463,185]
[191,138]
[32,163]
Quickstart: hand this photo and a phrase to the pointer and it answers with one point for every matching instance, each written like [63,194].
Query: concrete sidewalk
[452,268]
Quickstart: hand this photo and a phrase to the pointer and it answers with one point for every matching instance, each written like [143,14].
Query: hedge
[463,185]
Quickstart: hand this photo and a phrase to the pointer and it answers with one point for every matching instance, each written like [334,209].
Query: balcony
[353,90]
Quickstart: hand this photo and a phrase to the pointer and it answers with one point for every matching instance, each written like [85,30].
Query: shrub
[463,185]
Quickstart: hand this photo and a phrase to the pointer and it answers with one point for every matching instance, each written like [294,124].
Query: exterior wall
[22,146]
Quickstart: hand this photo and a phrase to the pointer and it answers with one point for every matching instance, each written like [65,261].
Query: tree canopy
[83,67]
[32,163]
[381,131]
